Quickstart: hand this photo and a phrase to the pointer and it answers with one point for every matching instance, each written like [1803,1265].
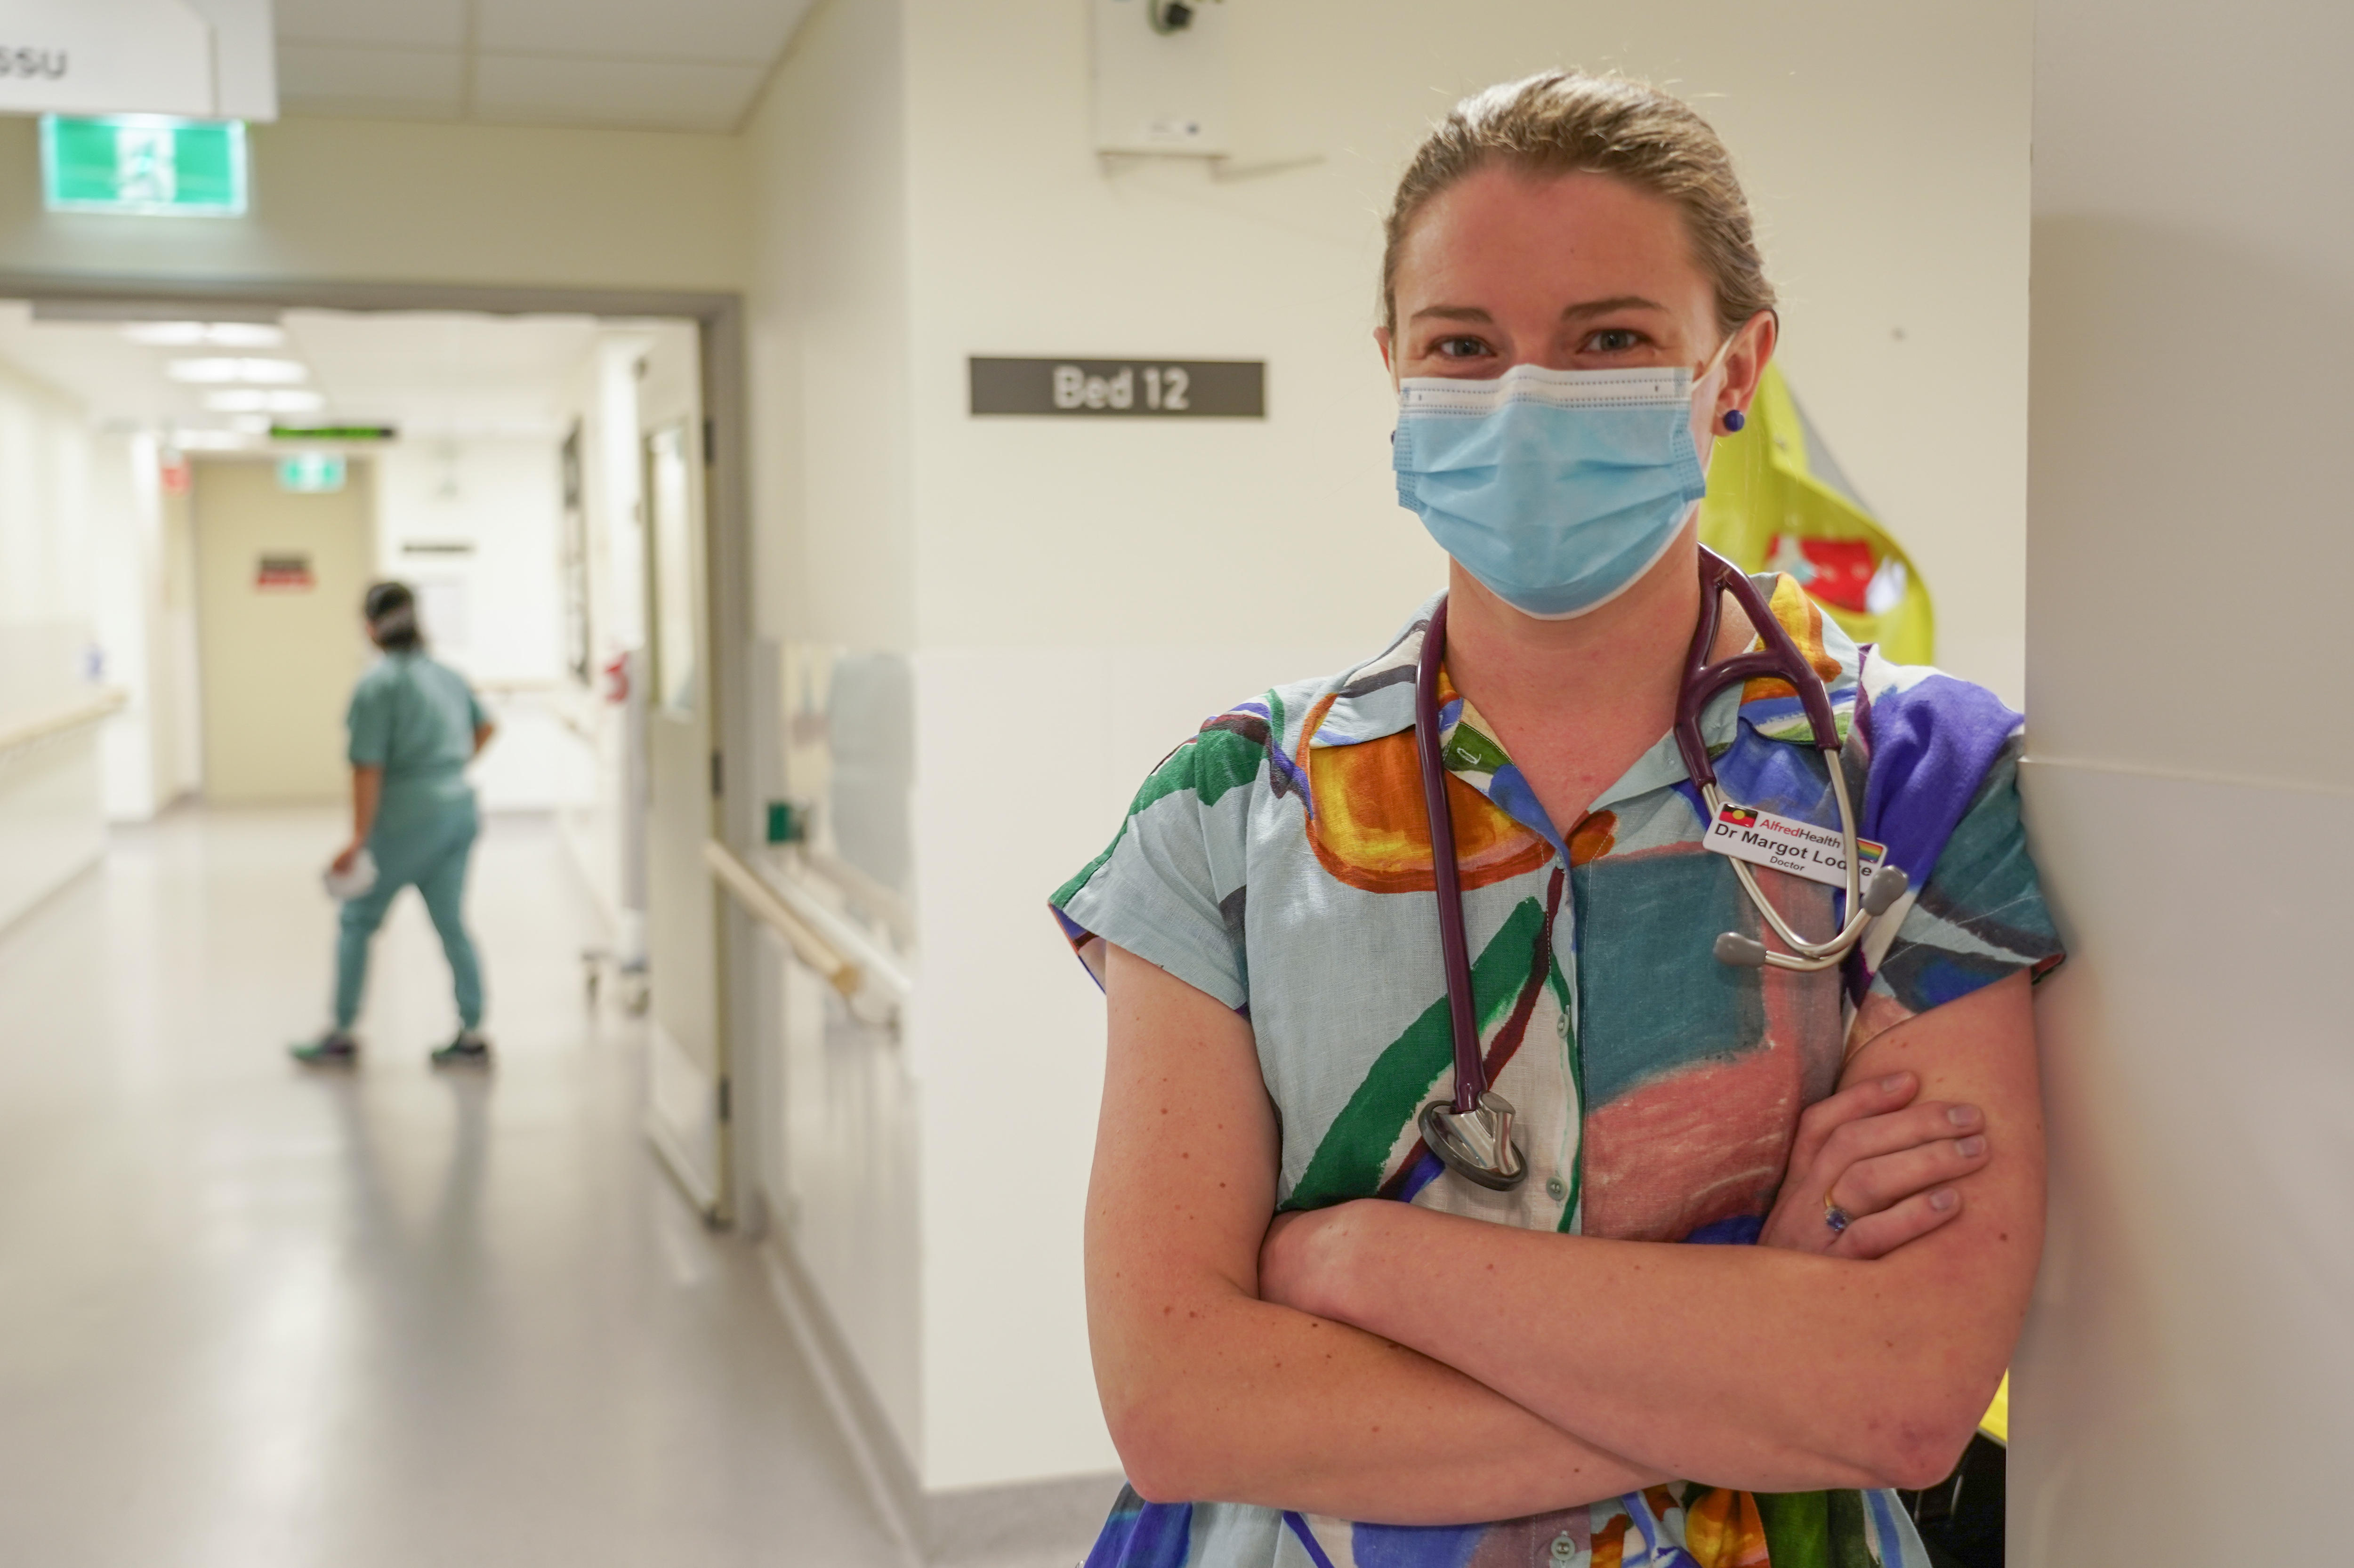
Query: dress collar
[1376,700]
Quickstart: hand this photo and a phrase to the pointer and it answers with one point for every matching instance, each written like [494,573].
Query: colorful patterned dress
[1279,861]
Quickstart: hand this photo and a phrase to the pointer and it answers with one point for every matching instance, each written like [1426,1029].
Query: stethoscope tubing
[1780,659]
[1454,943]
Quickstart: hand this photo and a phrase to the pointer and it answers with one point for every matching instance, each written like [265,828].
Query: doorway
[280,573]
[683,430]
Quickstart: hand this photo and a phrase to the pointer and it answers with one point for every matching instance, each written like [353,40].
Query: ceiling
[680,65]
[432,374]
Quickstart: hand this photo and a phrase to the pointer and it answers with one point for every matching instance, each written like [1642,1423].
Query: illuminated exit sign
[144,164]
[311,472]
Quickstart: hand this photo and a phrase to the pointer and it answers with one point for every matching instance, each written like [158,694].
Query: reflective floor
[259,1316]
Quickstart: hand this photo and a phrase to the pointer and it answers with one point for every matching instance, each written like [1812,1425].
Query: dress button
[1564,1548]
[1557,1189]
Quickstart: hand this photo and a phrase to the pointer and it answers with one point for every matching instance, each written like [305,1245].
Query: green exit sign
[144,163]
[311,472]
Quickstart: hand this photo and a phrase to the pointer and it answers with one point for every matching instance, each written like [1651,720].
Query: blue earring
[1734,419]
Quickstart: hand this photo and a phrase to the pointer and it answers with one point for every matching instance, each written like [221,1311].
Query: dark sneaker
[469,1050]
[333,1049]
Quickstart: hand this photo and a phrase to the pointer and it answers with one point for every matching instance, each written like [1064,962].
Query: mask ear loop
[1734,418]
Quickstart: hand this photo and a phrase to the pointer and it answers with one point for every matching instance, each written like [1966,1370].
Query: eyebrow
[1573,312]
[1616,302]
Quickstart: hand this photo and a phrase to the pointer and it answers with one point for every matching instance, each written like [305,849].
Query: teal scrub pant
[429,852]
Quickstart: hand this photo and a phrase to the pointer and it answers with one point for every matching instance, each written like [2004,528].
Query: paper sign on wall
[284,574]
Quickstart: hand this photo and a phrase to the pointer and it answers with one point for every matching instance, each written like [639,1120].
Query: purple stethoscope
[1472,1133]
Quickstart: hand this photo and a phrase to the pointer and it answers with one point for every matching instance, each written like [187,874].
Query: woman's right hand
[1887,1163]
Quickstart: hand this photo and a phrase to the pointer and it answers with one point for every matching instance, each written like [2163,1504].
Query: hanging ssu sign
[209,59]
[1121,388]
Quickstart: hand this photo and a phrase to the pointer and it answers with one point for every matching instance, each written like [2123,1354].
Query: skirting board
[1035,1522]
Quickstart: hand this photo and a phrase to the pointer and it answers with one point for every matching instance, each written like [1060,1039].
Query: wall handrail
[57,721]
[764,903]
[878,964]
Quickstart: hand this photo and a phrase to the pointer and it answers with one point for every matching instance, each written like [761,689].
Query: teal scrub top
[416,720]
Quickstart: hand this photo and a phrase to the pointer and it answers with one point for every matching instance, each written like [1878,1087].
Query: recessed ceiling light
[254,400]
[260,372]
[216,334]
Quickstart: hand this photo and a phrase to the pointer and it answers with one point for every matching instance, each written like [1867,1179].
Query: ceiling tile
[339,79]
[414,24]
[737,32]
[663,93]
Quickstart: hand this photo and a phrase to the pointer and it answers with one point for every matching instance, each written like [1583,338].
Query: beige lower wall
[278,663]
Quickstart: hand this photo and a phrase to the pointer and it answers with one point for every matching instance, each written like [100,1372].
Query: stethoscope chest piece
[1478,1144]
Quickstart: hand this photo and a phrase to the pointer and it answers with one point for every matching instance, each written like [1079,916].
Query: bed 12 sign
[1165,387]
[1132,388]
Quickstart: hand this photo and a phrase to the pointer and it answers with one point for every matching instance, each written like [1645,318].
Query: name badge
[1761,838]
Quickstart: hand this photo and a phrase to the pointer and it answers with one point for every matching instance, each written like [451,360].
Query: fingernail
[1893,1082]
[1971,1147]
[1944,1199]
[1963,1116]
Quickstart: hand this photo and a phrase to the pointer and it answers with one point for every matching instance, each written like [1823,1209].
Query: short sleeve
[1171,887]
[476,715]
[1980,919]
[369,722]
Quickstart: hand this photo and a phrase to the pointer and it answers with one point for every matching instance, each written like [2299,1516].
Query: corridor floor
[259,1317]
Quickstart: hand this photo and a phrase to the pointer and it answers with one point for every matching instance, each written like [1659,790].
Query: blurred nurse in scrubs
[415,724]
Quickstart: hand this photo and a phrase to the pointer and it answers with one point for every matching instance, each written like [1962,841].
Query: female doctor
[1318,1343]
[414,724]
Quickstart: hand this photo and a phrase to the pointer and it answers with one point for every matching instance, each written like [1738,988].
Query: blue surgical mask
[1556,488]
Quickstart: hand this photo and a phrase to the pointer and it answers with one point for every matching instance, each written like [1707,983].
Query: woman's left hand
[1885,1161]
[343,862]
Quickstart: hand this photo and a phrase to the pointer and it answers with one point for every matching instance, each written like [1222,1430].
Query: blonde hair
[1565,122]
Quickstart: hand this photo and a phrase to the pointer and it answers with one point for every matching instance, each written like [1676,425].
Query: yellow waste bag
[1777,502]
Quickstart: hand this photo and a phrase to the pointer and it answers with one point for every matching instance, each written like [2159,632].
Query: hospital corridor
[1172,783]
[390,1317]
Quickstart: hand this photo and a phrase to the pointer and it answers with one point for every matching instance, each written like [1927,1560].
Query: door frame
[728,578]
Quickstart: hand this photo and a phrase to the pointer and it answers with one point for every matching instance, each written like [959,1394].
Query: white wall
[52,797]
[834,569]
[2187,1352]
[602,395]
[125,521]
[1076,595]
[495,612]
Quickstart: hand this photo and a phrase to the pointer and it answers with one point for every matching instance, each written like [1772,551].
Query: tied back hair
[391,611]
[1566,123]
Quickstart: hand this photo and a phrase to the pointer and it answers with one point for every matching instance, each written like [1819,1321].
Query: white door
[687,1111]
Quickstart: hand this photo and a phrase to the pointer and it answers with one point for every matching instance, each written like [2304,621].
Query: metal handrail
[763,904]
[44,725]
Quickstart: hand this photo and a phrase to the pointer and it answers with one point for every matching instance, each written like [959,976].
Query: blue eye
[1614,340]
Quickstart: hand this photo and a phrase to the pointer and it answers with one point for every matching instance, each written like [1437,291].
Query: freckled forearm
[1789,1392]
[1242,1401]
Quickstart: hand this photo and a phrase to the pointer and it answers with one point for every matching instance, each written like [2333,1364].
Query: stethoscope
[1472,1133]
